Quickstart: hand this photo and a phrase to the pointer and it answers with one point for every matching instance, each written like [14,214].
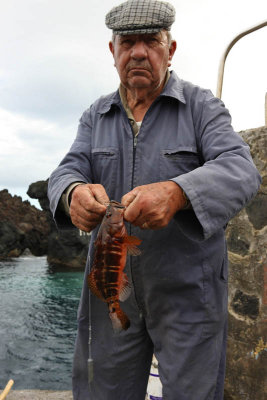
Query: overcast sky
[54,62]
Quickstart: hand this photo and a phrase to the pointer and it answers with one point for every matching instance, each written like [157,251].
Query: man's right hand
[87,206]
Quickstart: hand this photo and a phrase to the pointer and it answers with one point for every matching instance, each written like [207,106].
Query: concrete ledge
[39,395]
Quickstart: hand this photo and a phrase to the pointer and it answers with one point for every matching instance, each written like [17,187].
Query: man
[166,149]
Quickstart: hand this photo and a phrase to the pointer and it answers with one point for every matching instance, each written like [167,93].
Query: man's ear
[111,47]
[172,50]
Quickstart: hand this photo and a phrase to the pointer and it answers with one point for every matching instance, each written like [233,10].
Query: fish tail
[119,319]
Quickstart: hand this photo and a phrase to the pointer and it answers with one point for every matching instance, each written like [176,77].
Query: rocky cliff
[23,226]
[65,248]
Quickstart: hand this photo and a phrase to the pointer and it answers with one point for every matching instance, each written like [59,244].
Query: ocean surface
[38,308]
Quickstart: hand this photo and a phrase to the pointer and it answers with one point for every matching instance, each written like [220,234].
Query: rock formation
[21,226]
[66,248]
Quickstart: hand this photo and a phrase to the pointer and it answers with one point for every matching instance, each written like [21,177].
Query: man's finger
[82,214]
[132,212]
[99,194]
[128,198]
[91,197]
[85,222]
[85,227]
[92,206]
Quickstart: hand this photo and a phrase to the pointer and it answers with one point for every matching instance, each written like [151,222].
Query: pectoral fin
[125,288]
[132,242]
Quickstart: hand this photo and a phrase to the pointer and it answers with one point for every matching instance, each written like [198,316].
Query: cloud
[51,65]
[30,148]
[56,88]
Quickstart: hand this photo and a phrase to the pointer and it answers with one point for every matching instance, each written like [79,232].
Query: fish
[107,279]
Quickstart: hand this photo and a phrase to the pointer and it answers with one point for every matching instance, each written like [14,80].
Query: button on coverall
[178,303]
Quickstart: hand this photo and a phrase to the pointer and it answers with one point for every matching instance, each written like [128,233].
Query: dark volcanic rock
[38,190]
[11,240]
[66,248]
[257,211]
[245,304]
[239,237]
[21,226]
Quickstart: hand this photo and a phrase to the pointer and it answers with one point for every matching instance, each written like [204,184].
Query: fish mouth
[116,204]
[111,206]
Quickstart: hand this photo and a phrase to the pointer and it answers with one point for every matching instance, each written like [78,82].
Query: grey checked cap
[140,17]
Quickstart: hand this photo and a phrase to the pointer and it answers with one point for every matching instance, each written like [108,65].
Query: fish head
[114,217]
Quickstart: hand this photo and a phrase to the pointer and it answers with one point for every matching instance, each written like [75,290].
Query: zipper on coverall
[134,151]
[132,185]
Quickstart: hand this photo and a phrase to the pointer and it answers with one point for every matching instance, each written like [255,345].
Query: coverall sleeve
[226,181]
[75,167]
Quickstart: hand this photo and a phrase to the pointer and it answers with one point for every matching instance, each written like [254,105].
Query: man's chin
[139,82]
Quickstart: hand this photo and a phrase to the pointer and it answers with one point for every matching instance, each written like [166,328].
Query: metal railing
[225,54]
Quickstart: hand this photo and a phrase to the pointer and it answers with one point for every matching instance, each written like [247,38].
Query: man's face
[142,60]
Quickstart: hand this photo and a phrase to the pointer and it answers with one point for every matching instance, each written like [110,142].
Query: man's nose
[139,50]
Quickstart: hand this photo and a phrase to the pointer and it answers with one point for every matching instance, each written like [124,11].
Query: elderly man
[165,148]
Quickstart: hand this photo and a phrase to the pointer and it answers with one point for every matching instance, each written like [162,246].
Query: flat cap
[140,17]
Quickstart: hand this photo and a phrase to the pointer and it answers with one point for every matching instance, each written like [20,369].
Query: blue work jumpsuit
[178,303]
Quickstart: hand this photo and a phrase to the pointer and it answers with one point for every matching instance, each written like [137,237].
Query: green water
[38,308]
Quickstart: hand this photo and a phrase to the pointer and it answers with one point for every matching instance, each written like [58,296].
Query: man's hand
[87,206]
[153,206]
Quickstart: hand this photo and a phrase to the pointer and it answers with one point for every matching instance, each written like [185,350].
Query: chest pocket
[105,162]
[178,161]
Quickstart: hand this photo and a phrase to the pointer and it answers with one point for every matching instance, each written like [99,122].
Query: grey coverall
[178,304]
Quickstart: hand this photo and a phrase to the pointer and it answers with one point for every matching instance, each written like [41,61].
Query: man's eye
[152,41]
[127,42]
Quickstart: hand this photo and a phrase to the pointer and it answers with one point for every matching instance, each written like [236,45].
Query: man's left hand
[152,206]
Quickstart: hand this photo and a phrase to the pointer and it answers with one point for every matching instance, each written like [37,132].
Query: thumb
[132,210]
[128,198]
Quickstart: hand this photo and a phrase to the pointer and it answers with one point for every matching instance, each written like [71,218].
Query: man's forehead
[161,35]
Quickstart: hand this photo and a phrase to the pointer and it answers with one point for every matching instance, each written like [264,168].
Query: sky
[55,61]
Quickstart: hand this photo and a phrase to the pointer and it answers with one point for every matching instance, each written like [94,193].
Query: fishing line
[90,362]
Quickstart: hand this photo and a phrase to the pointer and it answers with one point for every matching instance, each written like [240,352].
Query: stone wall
[247,245]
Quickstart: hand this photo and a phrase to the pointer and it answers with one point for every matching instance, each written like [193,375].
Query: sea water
[38,308]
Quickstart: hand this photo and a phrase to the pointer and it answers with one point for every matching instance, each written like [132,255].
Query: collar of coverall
[173,88]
